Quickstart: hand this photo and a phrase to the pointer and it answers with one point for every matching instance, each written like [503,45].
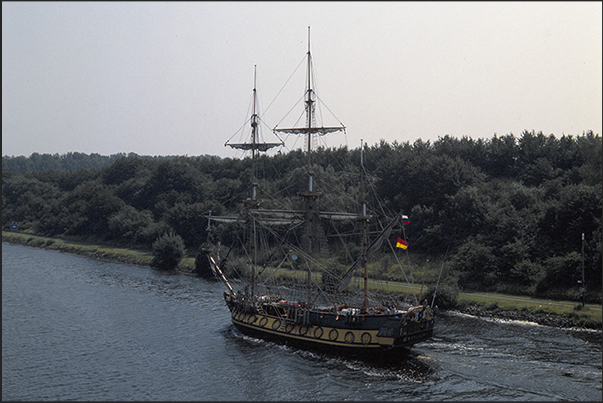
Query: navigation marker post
[583,282]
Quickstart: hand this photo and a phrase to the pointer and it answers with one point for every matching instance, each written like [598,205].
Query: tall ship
[321,302]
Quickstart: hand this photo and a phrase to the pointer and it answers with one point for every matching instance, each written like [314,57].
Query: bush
[236,267]
[168,251]
[446,297]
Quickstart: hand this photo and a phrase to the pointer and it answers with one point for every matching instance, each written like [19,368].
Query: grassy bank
[97,251]
[543,311]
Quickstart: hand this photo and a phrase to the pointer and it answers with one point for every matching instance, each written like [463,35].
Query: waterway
[75,328]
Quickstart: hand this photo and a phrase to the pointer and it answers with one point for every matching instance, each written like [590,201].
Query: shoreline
[101,252]
[541,316]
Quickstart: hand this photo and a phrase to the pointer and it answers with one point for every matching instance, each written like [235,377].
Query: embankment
[540,316]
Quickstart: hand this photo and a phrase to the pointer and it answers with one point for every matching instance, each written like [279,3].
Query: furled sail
[226,219]
[253,146]
[313,130]
[298,214]
[339,216]
[259,216]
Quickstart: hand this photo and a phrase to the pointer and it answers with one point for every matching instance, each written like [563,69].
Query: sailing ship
[318,317]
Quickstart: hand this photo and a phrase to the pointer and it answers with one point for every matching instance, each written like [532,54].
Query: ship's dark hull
[360,336]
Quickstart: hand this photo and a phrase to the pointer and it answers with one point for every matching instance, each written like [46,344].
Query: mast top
[310,106]
[255,73]
[308,39]
[254,145]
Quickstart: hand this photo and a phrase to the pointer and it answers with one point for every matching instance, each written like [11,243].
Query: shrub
[168,250]
[446,297]
[236,267]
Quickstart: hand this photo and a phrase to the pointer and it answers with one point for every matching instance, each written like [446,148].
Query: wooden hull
[366,336]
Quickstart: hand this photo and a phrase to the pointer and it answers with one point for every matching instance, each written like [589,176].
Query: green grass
[511,302]
[81,248]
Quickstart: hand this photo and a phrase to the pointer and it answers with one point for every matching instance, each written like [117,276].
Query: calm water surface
[74,328]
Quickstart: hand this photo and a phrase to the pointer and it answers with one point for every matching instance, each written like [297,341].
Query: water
[74,328]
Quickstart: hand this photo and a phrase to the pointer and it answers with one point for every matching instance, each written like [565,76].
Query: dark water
[80,329]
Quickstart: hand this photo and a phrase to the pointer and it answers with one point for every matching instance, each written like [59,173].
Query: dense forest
[71,161]
[508,212]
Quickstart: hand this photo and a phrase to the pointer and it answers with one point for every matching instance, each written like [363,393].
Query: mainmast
[309,113]
[310,197]
[364,229]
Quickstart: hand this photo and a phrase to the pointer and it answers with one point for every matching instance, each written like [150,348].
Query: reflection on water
[409,367]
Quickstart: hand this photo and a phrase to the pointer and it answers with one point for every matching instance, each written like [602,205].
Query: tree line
[508,212]
[70,161]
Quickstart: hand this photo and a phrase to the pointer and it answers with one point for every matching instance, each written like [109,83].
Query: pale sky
[176,78]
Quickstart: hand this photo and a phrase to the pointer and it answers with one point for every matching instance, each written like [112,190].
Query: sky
[177,78]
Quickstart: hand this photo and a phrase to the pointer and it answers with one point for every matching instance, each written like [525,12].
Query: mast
[364,229]
[310,197]
[309,113]
[254,128]
[255,146]
[253,202]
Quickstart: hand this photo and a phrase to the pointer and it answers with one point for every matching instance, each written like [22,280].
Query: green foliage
[236,267]
[185,219]
[446,296]
[560,271]
[476,264]
[67,162]
[132,227]
[168,251]
[512,208]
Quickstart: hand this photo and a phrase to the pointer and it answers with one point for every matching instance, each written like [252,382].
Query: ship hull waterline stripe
[386,342]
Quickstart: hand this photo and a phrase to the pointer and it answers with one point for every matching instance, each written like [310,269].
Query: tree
[91,204]
[512,210]
[168,251]
[476,265]
[187,220]
[128,226]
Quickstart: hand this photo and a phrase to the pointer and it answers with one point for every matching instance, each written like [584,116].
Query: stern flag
[402,243]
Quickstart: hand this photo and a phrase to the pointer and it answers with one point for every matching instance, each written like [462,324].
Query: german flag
[402,243]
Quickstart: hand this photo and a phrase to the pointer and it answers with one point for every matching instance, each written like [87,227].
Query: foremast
[310,197]
[255,146]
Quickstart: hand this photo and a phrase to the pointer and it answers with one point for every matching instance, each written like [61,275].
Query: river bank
[541,316]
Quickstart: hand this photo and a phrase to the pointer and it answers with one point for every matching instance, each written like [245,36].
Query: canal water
[75,328]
